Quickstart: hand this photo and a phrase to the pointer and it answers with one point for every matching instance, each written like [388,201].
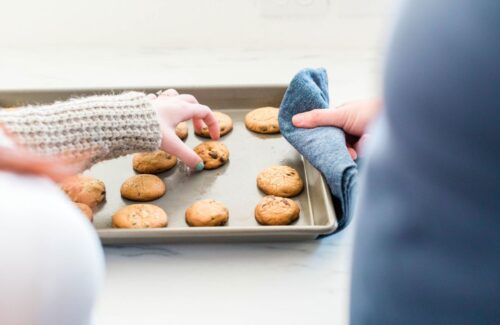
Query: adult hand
[353,118]
[172,109]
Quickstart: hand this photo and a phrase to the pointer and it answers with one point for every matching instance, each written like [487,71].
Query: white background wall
[252,24]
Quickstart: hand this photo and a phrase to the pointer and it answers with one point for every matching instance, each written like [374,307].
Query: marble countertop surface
[243,283]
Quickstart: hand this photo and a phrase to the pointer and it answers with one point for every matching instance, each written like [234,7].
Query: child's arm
[107,127]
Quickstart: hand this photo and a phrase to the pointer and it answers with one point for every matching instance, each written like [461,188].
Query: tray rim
[111,234]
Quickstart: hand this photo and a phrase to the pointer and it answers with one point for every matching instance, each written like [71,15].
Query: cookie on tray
[84,189]
[225,125]
[182,130]
[140,216]
[280,181]
[263,120]
[144,187]
[207,213]
[86,210]
[273,211]
[153,162]
[213,153]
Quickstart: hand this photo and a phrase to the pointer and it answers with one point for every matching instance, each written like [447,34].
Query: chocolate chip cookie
[263,120]
[213,153]
[153,162]
[207,213]
[140,216]
[274,210]
[225,125]
[280,181]
[143,187]
[84,189]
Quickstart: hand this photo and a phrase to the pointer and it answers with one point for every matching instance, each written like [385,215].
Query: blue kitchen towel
[324,147]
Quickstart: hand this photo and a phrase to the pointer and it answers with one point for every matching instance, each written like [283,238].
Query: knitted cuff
[103,127]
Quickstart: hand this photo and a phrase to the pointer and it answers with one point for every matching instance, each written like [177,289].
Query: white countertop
[253,283]
[353,74]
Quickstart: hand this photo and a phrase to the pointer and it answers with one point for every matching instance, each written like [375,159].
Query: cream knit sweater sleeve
[104,126]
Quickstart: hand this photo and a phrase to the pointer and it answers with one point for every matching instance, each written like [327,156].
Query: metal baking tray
[234,183]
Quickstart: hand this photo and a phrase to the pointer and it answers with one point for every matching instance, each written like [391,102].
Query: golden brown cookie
[143,187]
[86,210]
[225,125]
[140,216]
[153,162]
[263,120]
[213,153]
[280,181]
[84,189]
[275,210]
[207,213]
[182,130]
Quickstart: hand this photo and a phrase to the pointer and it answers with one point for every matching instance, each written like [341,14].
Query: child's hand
[353,118]
[172,109]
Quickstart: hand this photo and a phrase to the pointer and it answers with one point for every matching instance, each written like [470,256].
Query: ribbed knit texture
[105,127]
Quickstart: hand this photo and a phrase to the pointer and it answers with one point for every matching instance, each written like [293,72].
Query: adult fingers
[352,152]
[175,146]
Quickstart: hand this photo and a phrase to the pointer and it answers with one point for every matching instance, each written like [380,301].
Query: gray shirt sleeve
[427,240]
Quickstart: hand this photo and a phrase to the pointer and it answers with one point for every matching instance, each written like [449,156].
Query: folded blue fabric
[324,147]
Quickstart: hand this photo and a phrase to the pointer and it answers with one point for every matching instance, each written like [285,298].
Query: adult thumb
[321,117]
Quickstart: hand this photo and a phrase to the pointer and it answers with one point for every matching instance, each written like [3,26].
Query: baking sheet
[234,183]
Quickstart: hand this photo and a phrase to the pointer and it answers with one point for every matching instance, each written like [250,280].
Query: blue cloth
[427,248]
[324,147]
